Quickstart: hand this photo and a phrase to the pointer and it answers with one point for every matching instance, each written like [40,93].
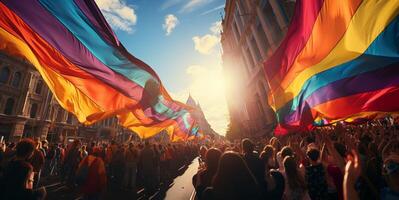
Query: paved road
[180,188]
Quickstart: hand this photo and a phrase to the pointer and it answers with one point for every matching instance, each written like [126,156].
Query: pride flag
[88,70]
[338,62]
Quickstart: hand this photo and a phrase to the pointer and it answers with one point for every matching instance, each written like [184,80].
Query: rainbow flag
[86,67]
[338,62]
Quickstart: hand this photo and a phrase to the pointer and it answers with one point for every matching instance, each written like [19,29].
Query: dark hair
[341,149]
[313,154]
[310,139]
[25,148]
[212,158]
[295,180]
[286,151]
[267,153]
[247,145]
[17,176]
[233,179]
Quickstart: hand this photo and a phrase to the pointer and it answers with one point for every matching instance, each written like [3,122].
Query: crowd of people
[89,168]
[337,162]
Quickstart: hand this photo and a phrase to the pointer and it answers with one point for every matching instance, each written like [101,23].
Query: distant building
[252,30]
[199,117]
[28,108]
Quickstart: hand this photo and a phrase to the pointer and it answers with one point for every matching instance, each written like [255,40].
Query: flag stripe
[350,86]
[89,85]
[337,14]
[302,24]
[64,91]
[354,43]
[60,38]
[384,100]
[93,14]
[76,22]
[385,44]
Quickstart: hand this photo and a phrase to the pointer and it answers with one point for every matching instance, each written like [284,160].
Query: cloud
[206,87]
[212,10]
[206,43]
[171,22]
[193,4]
[118,14]
[169,3]
[216,27]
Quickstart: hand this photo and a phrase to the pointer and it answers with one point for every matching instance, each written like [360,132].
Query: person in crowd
[83,152]
[252,160]
[204,176]
[391,172]
[274,180]
[315,175]
[233,180]
[157,167]
[19,179]
[202,153]
[71,161]
[295,187]
[91,176]
[131,160]
[147,167]
[37,161]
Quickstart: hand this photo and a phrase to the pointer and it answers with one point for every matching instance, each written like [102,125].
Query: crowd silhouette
[335,162]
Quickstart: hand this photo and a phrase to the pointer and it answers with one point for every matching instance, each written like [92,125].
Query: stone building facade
[28,108]
[252,30]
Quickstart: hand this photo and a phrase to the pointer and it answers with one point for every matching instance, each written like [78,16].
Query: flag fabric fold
[338,62]
[88,70]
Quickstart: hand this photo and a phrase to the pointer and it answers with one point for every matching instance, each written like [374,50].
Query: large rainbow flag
[88,70]
[338,62]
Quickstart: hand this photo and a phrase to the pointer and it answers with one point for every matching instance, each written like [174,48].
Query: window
[9,106]
[263,38]
[255,48]
[248,56]
[69,119]
[17,79]
[60,116]
[33,110]
[39,87]
[4,75]
[271,19]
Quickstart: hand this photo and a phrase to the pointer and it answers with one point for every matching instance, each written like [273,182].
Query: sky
[180,40]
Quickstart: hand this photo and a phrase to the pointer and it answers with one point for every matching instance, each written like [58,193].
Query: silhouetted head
[247,145]
[212,158]
[25,148]
[233,179]
[286,151]
[313,154]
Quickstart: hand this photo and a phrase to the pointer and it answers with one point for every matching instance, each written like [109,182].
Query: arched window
[4,75]
[33,110]
[39,87]
[9,106]
[17,79]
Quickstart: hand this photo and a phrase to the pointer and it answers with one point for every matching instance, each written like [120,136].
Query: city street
[180,188]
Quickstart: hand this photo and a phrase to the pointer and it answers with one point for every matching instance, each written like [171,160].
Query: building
[252,30]
[199,117]
[28,108]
